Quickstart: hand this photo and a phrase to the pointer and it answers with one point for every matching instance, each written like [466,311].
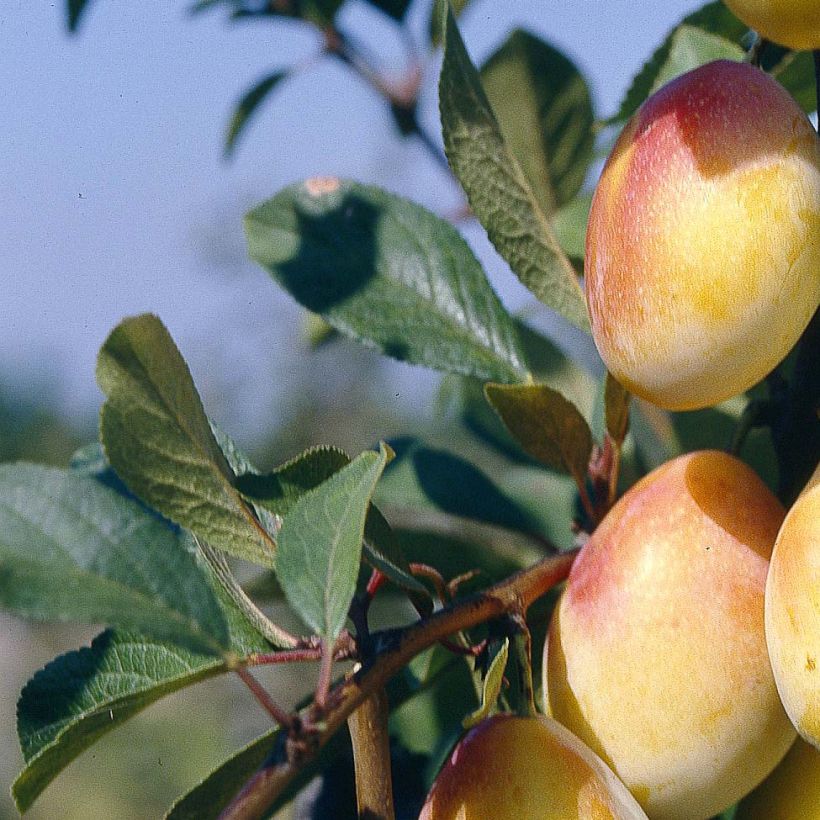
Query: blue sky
[116,199]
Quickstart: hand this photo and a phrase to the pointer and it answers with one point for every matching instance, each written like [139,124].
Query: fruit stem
[371,757]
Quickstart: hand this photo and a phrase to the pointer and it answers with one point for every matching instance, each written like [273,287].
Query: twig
[279,715]
[514,594]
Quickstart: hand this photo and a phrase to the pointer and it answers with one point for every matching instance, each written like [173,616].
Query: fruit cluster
[684,653]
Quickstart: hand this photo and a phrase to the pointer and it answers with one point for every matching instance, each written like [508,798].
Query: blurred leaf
[691,47]
[279,490]
[713,18]
[436,30]
[544,110]
[616,404]
[160,442]
[491,688]
[395,8]
[389,274]
[74,11]
[428,477]
[796,74]
[570,225]
[497,189]
[464,399]
[246,107]
[320,544]
[71,549]
[548,427]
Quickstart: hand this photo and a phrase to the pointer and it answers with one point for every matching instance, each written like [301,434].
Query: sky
[116,198]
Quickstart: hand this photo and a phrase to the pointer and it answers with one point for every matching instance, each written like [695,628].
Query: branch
[398,648]
[371,758]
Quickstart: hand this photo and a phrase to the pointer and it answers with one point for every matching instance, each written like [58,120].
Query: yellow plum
[792,23]
[526,769]
[703,247]
[793,612]
[656,654]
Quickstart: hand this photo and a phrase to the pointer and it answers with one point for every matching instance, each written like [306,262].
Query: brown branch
[514,594]
[371,758]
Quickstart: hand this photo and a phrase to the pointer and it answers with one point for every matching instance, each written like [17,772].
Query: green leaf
[543,107]
[74,11]
[279,490]
[425,476]
[545,424]
[387,273]
[78,697]
[72,549]
[246,107]
[160,443]
[616,409]
[395,8]
[436,30]
[713,18]
[570,225]
[320,544]
[690,47]
[795,72]
[491,688]
[497,188]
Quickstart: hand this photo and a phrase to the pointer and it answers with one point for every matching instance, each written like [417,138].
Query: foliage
[150,531]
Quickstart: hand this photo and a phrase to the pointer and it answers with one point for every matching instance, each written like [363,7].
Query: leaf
[497,189]
[543,107]
[570,225]
[160,443]
[427,476]
[395,8]
[387,273]
[491,688]
[80,696]
[279,490]
[545,424]
[691,47]
[616,409]
[713,18]
[72,549]
[795,72]
[320,544]
[74,11]
[246,107]
[435,27]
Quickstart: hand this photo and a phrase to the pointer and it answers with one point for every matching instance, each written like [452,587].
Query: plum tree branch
[397,648]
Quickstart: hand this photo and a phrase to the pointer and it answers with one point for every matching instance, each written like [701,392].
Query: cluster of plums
[683,657]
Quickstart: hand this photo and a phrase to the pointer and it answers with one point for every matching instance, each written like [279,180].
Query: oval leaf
[545,424]
[72,549]
[279,490]
[387,273]
[160,443]
[320,544]
[543,107]
[499,193]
